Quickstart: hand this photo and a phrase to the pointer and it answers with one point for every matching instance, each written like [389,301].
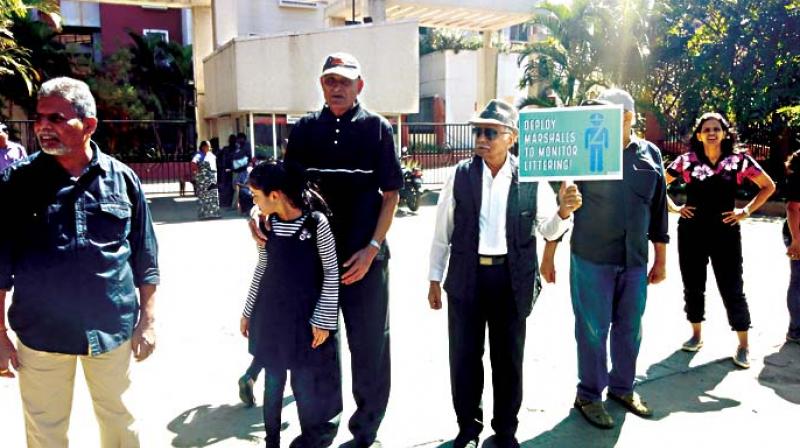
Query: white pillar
[251,127]
[399,146]
[202,46]
[487,70]
[274,138]
[377,10]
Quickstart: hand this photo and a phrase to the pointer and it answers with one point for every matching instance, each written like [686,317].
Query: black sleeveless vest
[523,261]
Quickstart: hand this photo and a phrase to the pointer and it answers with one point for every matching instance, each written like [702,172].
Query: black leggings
[722,244]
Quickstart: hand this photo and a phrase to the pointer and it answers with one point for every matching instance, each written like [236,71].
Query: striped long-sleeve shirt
[326,312]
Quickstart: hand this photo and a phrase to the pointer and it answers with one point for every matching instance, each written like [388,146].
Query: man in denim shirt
[76,240]
[608,271]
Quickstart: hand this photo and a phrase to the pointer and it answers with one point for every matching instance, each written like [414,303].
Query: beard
[54,150]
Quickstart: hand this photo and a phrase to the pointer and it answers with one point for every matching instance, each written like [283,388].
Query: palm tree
[567,60]
[15,58]
[591,43]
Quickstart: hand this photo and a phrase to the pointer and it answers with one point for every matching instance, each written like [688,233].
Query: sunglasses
[55,118]
[489,133]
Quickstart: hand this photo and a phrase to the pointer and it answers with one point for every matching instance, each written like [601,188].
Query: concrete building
[98,29]
[257,61]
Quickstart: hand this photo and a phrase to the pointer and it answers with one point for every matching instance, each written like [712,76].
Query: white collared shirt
[492,220]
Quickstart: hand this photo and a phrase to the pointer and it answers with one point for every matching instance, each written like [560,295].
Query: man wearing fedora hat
[349,153]
[485,224]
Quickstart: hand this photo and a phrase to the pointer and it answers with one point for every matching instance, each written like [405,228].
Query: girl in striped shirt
[291,314]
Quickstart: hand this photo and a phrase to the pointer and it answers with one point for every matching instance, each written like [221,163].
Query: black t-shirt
[352,160]
[711,188]
[792,195]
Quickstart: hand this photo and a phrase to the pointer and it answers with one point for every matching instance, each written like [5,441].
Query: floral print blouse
[712,188]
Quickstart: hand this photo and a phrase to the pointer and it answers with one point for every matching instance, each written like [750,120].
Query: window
[160,34]
[80,45]
[520,33]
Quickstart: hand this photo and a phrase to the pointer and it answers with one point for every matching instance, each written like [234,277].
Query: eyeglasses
[490,133]
[55,118]
[332,81]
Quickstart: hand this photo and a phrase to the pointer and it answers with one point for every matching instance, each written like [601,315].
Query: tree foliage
[587,44]
[433,39]
[16,65]
[741,58]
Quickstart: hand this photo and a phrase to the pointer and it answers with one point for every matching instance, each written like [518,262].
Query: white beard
[57,151]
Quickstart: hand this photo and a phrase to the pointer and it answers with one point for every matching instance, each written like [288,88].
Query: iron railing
[158,151]
[437,147]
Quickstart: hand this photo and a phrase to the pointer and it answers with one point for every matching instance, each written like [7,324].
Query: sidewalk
[186,396]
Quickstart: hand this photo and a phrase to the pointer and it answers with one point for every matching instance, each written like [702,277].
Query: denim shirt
[74,250]
[618,217]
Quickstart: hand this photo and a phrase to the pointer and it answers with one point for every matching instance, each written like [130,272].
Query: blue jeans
[793,300]
[607,297]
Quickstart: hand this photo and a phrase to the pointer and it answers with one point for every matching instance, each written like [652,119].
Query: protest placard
[571,143]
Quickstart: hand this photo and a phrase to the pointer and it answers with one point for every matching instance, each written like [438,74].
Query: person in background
[240,161]
[10,152]
[791,236]
[204,165]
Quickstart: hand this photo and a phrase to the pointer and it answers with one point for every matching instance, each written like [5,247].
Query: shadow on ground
[781,372]
[670,386]
[206,425]
[180,209]
[574,431]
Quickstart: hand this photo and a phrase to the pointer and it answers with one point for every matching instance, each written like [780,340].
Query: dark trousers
[254,369]
[318,393]
[607,299]
[493,304]
[793,300]
[722,244]
[365,309]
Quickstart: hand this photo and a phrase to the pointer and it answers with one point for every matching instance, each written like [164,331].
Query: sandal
[632,402]
[595,413]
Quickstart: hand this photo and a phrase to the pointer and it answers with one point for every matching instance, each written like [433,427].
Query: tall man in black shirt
[349,152]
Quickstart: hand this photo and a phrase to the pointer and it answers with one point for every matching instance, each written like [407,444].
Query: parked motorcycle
[412,183]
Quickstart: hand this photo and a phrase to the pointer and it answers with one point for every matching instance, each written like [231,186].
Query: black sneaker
[692,345]
[742,358]
[246,391]
[465,442]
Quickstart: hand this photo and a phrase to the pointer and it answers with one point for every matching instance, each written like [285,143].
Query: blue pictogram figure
[595,139]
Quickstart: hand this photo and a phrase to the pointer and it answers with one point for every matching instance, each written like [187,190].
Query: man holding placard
[608,271]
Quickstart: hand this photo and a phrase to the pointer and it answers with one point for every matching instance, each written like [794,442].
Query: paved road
[185,395]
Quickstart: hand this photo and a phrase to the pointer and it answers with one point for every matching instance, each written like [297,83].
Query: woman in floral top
[709,225]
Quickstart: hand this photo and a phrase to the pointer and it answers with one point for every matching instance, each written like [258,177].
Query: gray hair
[75,91]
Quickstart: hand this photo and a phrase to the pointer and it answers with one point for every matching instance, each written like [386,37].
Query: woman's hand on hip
[733,217]
[686,211]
